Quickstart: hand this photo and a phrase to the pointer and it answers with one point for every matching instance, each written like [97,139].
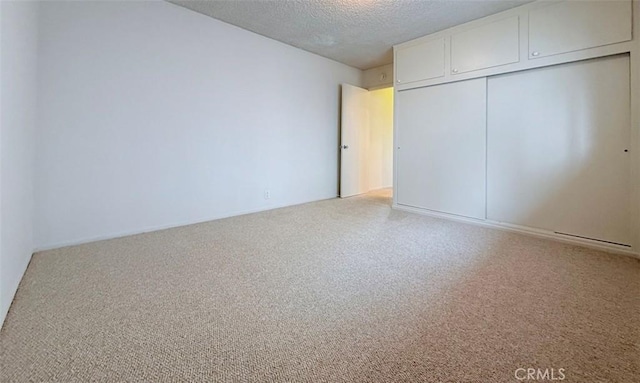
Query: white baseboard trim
[380,188]
[149,229]
[538,233]
[4,310]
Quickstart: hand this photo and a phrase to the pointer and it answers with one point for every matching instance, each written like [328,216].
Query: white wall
[154,116]
[18,79]
[381,138]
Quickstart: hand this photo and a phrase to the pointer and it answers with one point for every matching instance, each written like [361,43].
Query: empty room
[320,191]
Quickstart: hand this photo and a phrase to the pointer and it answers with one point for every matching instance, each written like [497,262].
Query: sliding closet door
[441,135]
[557,149]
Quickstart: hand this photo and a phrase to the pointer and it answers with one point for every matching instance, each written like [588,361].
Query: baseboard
[4,310]
[592,244]
[380,188]
[149,229]
[612,248]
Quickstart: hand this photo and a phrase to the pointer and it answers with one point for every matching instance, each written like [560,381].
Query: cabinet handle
[454,70]
[535,53]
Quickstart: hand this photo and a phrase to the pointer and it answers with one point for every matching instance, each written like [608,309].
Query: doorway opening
[366,140]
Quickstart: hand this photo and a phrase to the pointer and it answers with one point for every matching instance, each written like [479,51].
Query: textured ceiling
[359,33]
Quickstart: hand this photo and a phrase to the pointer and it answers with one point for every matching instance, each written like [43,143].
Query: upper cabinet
[421,61]
[575,25]
[486,46]
[537,34]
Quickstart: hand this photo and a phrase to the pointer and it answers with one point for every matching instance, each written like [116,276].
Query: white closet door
[557,141]
[441,136]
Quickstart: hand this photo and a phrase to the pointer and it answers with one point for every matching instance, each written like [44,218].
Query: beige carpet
[332,291]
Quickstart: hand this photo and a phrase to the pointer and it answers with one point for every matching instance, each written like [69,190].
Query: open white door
[354,141]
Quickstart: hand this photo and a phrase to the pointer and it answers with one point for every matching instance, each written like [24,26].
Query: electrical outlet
[267,194]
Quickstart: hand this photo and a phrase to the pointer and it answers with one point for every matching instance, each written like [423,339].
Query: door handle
[345,146]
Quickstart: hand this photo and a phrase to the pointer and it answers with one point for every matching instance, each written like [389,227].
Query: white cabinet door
[557,141]
[420,62]
[486,46]
[574,25]
[441,132]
